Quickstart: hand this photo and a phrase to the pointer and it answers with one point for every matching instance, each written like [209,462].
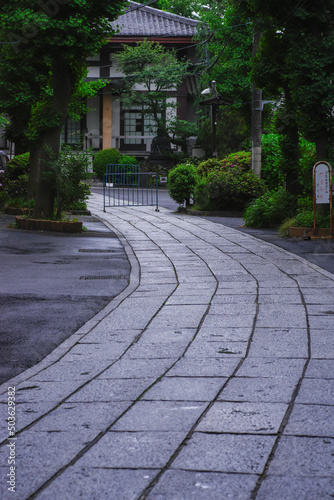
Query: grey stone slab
[255,390]
[281,315]
[133,450]
[98,483]
[88,418]
[303,457]
[320,368]
[40,455]
[322,343]
[180,299]
[179,316]
[324,322]
[124,319]
[228,321]
[179,485]
[234,298]
[86,353]
[234,309]
[316,296]
[272,367]
[209,349]
[185,389]
[153,335]
[212,367]
[111,390]
[36,391]
[316,391]
[137,368]
[241,418]
[160,416]
[280,342]
[225,453]
[225,334]
[326,310]
[311,420]
[101,335]
[305,488]
[281,298]
[143,350]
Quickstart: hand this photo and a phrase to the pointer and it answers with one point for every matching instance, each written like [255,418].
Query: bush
[271,209]
[103,158]
[232,189]
[208,166]
[66,174]
[241,159]
[127,160]
[16,176]
[181,183]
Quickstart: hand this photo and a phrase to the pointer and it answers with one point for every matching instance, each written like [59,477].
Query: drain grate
[95,250]
[112,277]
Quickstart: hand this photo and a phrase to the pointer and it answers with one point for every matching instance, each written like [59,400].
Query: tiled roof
[141,21]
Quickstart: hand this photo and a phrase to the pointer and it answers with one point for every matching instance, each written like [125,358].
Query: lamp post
[214,101]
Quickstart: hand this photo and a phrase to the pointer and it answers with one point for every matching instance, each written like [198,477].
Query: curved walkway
[209,377]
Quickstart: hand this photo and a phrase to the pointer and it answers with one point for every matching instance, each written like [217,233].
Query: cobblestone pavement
[209,377]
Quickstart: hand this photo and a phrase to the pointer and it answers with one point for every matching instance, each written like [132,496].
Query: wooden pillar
[107,121]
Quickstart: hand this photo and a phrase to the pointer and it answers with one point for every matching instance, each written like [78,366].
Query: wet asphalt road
[52,284]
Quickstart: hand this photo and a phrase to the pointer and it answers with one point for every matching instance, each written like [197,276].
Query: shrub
[207,166]
[66,174]
[16,176]
[271,209]
[181,183]
[103,158]
[232,189]
[127,160]
[241,159]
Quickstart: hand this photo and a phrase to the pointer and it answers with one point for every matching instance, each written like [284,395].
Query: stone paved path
[210,377]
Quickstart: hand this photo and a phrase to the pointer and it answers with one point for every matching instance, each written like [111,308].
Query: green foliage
[105,157]
[16,177]
[185,8]
[127,160]
[230,189]
[241,159]
[157,71]
[307,161]
[271,168]
[305,217]
[110,156]
[271,209]
[207,166]
[182,182]
[66,174]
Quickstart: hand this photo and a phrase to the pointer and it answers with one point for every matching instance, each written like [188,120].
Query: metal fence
[129,189]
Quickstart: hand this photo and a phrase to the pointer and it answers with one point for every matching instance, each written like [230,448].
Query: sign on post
[322,189]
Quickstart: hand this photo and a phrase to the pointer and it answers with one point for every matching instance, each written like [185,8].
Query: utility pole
[256,117]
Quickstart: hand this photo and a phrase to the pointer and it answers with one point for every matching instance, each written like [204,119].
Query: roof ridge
[162,13]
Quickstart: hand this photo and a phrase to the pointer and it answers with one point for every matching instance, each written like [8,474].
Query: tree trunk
[321,145]
[47,148]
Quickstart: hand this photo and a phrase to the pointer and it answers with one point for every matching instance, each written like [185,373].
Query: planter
[60,226]
[309,232]
[17,210]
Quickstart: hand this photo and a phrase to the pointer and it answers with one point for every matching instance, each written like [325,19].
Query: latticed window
[136,123]
[71,133]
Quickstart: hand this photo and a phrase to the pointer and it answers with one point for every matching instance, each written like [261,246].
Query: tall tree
[150,67]
[60,34]
[306,30]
